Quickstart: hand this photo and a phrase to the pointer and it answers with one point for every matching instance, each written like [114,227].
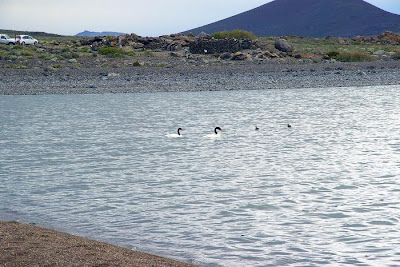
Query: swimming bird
[289,126]
[215,134]
[257,128]
[175,135]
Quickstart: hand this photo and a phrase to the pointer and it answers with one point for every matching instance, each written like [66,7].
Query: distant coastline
[236,60]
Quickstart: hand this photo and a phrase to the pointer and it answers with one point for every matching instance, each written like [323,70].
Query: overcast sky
[146,18]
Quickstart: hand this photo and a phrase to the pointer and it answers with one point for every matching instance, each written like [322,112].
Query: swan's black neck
[215,130]
[179,131]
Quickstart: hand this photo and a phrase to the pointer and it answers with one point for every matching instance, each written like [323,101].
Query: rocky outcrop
[239,56]
[283,46]
[203,44]
[386,37]
[170,42]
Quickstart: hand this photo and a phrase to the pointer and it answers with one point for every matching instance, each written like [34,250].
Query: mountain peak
[310,18]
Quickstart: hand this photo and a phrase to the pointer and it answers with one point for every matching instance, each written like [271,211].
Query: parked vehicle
[5,39]
[26,40]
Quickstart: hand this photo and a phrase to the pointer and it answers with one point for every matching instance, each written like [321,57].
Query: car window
[7,37]
[2,37]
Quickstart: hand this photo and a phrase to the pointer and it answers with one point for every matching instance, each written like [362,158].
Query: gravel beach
[181,77]
[28,245]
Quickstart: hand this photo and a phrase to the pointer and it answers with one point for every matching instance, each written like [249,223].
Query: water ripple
[322,192]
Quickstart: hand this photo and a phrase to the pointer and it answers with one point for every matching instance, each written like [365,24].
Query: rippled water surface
[326,191]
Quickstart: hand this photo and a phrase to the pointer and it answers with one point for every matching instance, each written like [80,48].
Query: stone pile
[203,44]
[386,37]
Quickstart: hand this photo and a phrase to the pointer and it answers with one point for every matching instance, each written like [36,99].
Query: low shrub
[84,49]
[137,64]
[333,54]
[237,34]
[26,53]
[130,53]
[19,67]
[111,52]
[148,53]
[354,57]
[396,56]
[70,55]
[56,66]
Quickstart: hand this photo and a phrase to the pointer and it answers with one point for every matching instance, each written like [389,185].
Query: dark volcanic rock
[225,56]
[283,46]
[239,56]
[200,45]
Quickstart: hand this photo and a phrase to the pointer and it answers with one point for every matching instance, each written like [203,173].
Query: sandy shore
[180,77]
[28,245]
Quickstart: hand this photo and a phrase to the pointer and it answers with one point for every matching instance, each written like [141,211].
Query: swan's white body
[175,135]
[215,135]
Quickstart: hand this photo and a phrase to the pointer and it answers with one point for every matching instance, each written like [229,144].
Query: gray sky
[146,18]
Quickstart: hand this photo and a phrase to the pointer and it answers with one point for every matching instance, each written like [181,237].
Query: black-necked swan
[257,128]
[289,126]
[215,134]
[175,135]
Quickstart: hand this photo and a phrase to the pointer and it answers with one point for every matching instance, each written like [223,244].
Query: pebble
[268,75]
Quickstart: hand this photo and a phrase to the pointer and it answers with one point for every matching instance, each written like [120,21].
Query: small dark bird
[289,126]
[257,128]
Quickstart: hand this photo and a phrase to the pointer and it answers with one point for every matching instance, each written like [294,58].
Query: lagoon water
[326,191]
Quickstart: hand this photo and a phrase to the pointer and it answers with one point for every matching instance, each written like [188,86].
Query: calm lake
[325,191]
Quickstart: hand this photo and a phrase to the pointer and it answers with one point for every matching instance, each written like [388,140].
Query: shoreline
[28,245]
[183,78]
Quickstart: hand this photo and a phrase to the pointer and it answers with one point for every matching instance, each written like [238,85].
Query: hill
[12,33]
[95,34]
[310,18]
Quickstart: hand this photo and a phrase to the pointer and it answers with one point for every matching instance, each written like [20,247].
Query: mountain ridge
[96,34]
[309,18]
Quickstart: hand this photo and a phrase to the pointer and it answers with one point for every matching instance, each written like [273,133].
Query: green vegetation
[84,49]
[147,53]
[237,34]
[354,57]
[19,67]
[114,52]
[396,56]
[69,55]
[111,52]
[56,66]
[58,50]
[130,53]
[333,54]
[322,46]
